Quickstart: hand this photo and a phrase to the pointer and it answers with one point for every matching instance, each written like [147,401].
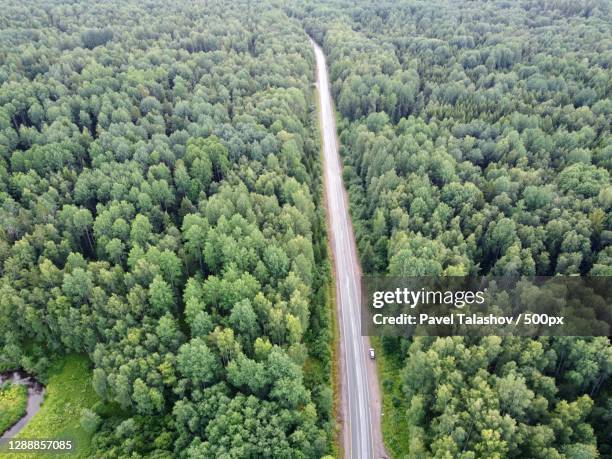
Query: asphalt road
[359,386]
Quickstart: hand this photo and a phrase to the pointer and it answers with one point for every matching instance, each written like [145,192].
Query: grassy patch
[67,393]
[13,404]
[395,426]
[331,298]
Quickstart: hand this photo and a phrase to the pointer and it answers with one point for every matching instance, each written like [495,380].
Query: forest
[160,206]
[163,232]
[476,141]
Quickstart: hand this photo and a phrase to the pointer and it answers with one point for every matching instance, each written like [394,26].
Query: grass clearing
[395,426]
[13,404]
[67,393]
[331,296]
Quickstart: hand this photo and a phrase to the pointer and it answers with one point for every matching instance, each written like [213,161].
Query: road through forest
[360,396]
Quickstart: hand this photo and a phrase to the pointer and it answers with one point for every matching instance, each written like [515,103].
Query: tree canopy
[476,141]
[159,199]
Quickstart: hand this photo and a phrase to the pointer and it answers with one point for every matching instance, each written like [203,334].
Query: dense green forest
[159,199]
[162,225]
[476,140]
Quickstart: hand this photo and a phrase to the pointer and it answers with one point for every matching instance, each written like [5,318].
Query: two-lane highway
[359,387]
